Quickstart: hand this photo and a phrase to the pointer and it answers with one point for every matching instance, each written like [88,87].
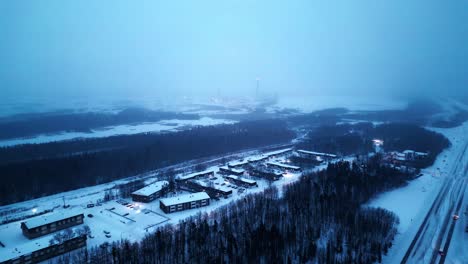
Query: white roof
[27,247]
[237,163]
[241,179]
[185,198]
[258,158]
[48,218]
[233,169]
[286,166]
[317,153]
[195,174]
[152,188]
[277,152]
[217,187]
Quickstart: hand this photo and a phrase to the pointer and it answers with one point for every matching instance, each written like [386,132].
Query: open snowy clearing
[164,125]
[412,202]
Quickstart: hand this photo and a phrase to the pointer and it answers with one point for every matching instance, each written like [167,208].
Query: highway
[432,241]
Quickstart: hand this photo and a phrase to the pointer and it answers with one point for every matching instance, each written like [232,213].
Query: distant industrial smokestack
[257,88]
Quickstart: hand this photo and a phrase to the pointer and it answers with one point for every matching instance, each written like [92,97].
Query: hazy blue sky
[150,48]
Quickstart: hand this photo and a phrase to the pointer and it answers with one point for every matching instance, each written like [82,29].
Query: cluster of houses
[204,185]
[405,157]
[201,187]
[403,161]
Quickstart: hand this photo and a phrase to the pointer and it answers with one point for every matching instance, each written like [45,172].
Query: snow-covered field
[412,202]
[120,220]
[314,103]
[164,125]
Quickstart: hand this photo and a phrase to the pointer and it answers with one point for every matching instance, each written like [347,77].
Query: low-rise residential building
[315,155]
[184,202]
[46,224]
[241,181]
[265,173]
[283,166]
[196,175]
[229,171]
[150,192]
[213,190]
[36,252]
[238,164]
[278,152]
[257,159]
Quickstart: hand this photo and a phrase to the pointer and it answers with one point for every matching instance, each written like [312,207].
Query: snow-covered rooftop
[238,163]
[286,166]
[278,152]
[258,158]
[232,169]
[185,198]
[217,187]
[317,153]
[152,188]
[48,218]
[241,179]
[195,174]
[25,246]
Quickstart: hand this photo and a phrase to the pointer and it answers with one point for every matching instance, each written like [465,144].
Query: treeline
[400,137]
[318,219]
[26,125]
[357,138]
[39,177]
[342,139]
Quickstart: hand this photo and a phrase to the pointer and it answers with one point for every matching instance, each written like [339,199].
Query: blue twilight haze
[153,48]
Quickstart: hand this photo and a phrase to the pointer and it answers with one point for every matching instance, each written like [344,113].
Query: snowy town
[37,234]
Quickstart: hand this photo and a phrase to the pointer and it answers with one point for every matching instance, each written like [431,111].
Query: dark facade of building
[241,181]
[269,175]
[46,225]
[284,166]
[231,171]
[315,155]
[184,202]
[49,252]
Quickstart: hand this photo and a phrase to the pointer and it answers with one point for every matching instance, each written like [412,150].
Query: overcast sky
[153,48]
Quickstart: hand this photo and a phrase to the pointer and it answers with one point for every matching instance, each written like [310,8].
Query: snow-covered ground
[121,221]
[412,202]
[164,125]
[308,104]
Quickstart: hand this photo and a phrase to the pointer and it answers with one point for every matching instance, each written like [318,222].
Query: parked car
[90,205]
[106,232]
[90,215]
[456,217]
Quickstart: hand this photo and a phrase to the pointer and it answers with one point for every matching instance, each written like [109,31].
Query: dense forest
[357,138]
[317,218]
[26,125]
[135,154]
